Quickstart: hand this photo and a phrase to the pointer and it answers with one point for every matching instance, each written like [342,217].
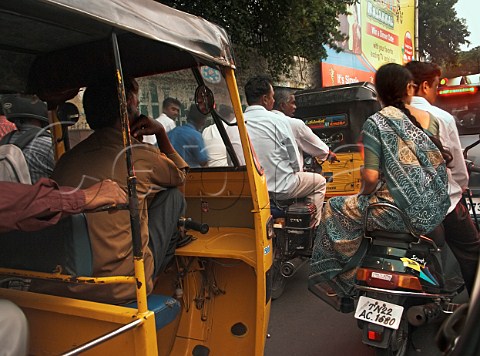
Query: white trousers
[312,187]
[13,330]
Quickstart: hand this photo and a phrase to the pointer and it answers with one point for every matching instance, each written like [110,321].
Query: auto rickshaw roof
[48,47]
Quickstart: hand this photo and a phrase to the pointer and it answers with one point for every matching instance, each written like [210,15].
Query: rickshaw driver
[158,170]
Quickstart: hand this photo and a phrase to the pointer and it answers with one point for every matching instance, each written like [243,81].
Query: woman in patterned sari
[404,165]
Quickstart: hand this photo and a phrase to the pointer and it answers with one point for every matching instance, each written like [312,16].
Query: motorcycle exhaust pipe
[289,268]
[423,314]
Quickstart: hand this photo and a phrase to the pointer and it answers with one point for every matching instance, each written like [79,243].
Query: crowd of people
[405,139]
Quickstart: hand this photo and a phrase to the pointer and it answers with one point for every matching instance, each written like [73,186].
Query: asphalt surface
[302,324]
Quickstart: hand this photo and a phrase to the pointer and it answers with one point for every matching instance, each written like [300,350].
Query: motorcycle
[400,285]
[294,228]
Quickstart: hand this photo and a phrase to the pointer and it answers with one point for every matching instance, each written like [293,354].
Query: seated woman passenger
[404,165]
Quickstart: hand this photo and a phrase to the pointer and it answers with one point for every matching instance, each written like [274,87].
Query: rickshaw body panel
[58,324]
[54,47]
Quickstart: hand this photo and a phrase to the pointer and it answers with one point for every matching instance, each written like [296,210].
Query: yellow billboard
[379,31]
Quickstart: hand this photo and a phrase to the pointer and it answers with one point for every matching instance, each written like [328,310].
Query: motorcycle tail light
[375,335]
[388,280]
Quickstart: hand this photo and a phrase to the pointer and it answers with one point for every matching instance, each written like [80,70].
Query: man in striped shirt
[28,112]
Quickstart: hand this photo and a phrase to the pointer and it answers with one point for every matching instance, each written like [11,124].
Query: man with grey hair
[274,143]
[306,140]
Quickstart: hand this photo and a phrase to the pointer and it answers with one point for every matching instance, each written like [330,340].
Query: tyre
[399,341]
[278,281]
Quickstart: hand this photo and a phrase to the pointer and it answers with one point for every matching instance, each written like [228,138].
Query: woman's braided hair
[391,82]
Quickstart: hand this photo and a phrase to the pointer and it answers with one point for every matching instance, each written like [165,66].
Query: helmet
[19,106]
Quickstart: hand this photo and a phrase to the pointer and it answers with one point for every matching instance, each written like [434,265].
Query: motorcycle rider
[403,165]
[460,231]
[307,141]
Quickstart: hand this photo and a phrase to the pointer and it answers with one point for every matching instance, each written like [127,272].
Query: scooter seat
[396,236]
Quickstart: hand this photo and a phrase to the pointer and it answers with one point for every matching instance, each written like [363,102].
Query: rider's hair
[101,104]
[281,96]
[391,82]
[256,87]
[424,72]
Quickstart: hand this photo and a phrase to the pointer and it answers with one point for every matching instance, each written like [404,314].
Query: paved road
[303,325]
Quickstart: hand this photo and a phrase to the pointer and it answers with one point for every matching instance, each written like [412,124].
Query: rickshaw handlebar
[189,224]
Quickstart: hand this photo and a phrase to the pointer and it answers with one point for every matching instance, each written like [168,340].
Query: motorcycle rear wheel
[399,341]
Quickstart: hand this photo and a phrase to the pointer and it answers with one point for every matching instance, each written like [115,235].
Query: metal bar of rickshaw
[131,183]
[103,338]
[66,277]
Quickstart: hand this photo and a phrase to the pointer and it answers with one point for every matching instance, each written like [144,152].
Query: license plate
[474,207]
[379,312]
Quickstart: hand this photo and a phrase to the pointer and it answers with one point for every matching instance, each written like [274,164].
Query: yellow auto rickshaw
[215,299]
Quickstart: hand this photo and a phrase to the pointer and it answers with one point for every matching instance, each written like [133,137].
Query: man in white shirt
[306,140]
[170,113]
[274,144]
[217,151]
[460,231]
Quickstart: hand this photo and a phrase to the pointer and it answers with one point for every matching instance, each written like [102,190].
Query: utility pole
[417,51]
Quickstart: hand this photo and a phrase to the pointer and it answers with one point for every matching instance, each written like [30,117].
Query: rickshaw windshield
[220,141]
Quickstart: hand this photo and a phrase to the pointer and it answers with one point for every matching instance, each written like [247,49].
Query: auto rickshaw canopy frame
[77,50]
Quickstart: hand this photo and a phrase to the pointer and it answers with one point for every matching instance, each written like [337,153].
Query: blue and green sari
[413,177]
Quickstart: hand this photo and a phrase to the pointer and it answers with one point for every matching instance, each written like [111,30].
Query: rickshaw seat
[165,309]
[64,247]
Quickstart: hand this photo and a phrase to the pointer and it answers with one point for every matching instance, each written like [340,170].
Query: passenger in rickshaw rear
[159,172]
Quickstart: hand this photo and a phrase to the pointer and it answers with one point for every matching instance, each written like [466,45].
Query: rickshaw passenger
[187,139]
[277,151]
[28,112]
[5,125]
[34,207]
[168,118]
[158,170]
[217,152]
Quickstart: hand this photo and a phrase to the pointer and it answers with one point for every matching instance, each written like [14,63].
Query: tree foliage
[468,63]
[274,30]
[440,31]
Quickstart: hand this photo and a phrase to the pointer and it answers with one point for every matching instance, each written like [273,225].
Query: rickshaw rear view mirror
[204,99]
[68,114]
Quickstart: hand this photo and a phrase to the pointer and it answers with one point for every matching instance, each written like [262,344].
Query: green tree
[440,31]
[470,61]
[274,30]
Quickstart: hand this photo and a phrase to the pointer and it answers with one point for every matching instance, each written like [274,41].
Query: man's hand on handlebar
[332,157]
[471,167]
